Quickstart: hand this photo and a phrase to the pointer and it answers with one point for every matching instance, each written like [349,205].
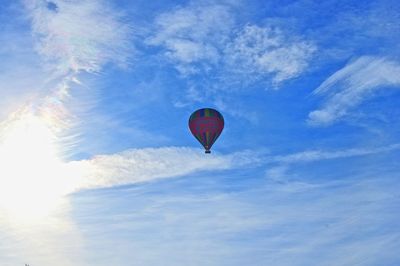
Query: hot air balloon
[206,125]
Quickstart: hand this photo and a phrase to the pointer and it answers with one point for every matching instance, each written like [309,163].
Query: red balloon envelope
[206,125]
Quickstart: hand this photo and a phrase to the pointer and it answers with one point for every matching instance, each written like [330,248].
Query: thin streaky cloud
[318,155]
[144,165]
[149,164]
[352,85]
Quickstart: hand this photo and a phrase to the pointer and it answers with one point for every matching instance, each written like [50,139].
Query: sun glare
[30,167]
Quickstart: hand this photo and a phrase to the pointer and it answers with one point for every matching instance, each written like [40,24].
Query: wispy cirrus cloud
[353,84]
[79,35]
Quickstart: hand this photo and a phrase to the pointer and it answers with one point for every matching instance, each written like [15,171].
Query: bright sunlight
[31,181]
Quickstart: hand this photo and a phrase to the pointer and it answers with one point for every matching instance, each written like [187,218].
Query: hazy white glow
[31,184]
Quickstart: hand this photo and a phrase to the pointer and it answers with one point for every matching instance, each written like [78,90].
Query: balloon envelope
[206,125]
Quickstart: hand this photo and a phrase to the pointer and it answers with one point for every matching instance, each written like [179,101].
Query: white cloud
[199,38]
[353,84]
[143,165]
[192,34]
[283,164]
[318,155]
[79,35]
[268,51]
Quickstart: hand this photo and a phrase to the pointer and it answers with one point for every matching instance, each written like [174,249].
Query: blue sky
[98,166]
